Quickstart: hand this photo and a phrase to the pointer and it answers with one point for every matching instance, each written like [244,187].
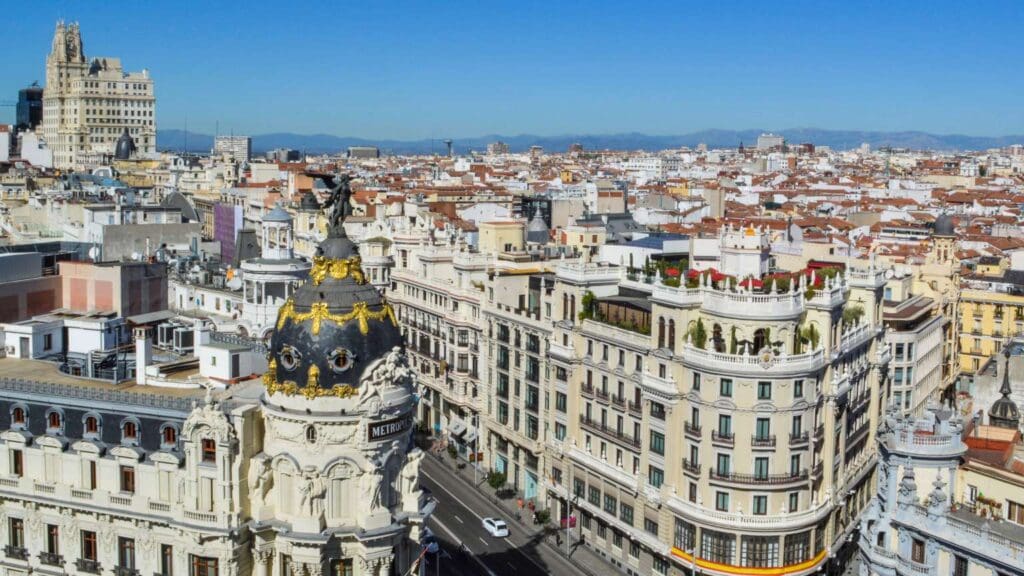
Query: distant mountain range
[838,139]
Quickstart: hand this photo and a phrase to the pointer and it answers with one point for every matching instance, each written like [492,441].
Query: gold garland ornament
[337,268]
[320,311]
[310,391]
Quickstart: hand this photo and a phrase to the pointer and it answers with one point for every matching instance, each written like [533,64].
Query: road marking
[482,540]
[514,545]
[512,566]
[460,544]
[458,519]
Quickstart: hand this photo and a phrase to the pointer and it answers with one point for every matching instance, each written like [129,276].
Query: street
[457,520]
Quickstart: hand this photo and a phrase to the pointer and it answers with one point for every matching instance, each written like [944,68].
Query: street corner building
[309,471]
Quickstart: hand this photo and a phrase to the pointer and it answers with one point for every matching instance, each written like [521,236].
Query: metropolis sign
[386,428]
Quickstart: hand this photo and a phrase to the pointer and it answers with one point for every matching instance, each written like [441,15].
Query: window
[166,560]
[53,420]
[52,539]
[634,550]
[657,443]
[17,463]
[88,545]
[760,505]
[203,566]
[724,426]
[660,565]
[170,436]
[47,341]
[342,568]
[209,450]
[794,501]
[759,551]
[17,533]
[610,504]
[717,546]
[917,551]
[722,501]
[685,534]
[129,431]
[725,388]
[1015,512]
[18,416]
[560,431]
[92,425]
[578,487]
[626,513]
[798,426]
[960,566]
[764,390]
[650,526]
[655,476]
[693,492]
[762,427]
[696,381]
[797,548]
[560,402]
[798,389]
[594,496]
[126,553]
[127,479]
[761,468]
[722,468]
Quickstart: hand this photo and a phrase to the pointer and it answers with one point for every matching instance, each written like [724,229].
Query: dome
[309,202]
[944,226]
[1004,412]
[333,328]
[125,148]
[278,214]
[537,230]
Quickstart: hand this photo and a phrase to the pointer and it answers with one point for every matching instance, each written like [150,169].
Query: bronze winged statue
[340,205]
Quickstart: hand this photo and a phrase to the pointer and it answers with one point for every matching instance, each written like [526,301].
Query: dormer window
[92,425]
[129,431]
[209,450]
[53,420]
[170,436]
[18,416]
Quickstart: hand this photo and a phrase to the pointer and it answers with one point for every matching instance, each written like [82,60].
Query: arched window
[18,415]
[129,431]
[760,340]
[209,450]
[311,434]
[53,420]
[170,436]
[661,332]
[92,425]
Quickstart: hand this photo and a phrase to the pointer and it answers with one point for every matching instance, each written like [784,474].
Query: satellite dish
[136,256]
[94,253]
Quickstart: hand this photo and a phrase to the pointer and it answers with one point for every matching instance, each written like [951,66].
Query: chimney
[143,353]
[202,333]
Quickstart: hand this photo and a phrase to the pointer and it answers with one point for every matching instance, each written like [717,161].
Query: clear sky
[407,70]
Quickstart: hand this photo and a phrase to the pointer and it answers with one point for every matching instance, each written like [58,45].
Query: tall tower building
[88,104]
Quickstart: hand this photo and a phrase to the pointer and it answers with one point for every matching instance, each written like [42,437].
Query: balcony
[758,479]
[587,390]
[754,364]
[798,440]
[609,433]
[757,441]
[90,566]
[125,571]
[561,352]
[16,552]
[723,438]
[51,559]
[691,430]
[602,395]
[619,401]
[636,409]
[692,468]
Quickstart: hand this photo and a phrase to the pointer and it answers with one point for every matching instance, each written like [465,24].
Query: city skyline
[402,72]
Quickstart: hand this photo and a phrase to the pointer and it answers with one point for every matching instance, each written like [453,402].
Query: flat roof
[48,373]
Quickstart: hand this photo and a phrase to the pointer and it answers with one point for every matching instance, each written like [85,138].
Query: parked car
[496,527]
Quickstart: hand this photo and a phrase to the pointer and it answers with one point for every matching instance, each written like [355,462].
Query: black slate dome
[308,202]
[125,148]
[335,325]
[1004,412]
[944,226]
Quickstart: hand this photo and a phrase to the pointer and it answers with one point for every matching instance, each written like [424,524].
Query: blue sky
[433,69]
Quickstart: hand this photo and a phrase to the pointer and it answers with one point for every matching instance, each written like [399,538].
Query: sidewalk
[583,558]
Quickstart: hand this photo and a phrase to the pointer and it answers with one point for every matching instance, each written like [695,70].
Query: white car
[496,527]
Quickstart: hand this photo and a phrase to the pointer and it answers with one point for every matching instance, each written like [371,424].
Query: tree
[810,334]
[852,314]
[588,304]
[699,335]
[497,480]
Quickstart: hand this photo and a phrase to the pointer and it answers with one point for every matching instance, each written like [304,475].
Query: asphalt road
[457,520]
